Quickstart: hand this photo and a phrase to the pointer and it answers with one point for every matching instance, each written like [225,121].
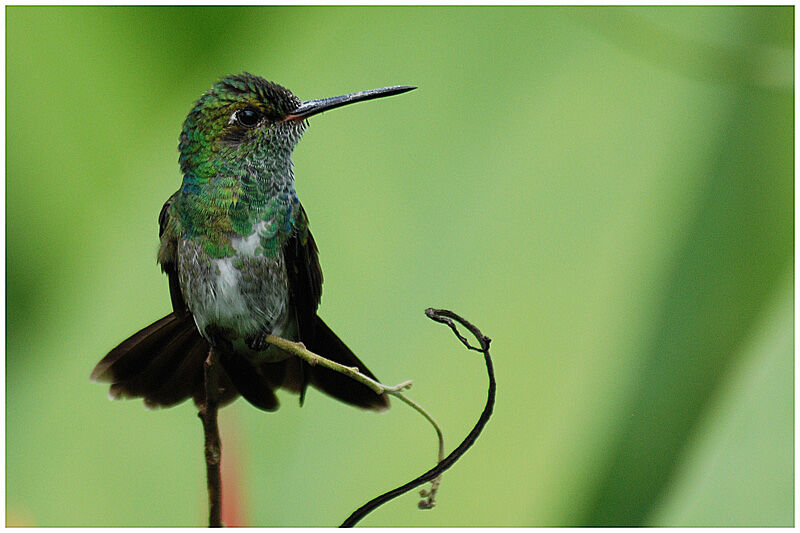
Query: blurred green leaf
[734,472]
[734,253]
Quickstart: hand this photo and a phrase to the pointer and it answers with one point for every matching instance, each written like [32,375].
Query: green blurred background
[606,192]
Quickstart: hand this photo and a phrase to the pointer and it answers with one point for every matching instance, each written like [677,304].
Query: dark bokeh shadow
[737,248]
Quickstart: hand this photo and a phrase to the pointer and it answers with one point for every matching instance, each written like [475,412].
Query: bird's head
[247,117]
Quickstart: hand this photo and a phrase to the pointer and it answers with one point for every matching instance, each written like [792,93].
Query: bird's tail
[163,364]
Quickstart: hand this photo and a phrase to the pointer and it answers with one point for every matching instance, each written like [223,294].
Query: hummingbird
[240,260]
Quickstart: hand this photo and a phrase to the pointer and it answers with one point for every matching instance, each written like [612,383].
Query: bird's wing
[305,288]
[168,252]
[305,274]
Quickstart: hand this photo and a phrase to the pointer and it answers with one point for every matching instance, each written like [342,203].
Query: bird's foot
[258,343]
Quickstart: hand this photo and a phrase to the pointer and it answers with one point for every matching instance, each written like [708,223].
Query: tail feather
[134,354]
[249,382]
[341,387]
[162,363]
[188,380]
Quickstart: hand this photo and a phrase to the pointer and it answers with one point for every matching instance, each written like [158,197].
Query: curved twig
[397,391]
[445,317]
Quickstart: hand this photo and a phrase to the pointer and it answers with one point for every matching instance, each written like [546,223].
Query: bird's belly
[237,297]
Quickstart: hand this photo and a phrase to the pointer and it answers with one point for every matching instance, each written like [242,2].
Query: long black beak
[312,107]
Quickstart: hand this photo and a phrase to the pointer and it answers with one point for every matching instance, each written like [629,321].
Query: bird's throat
[255,199]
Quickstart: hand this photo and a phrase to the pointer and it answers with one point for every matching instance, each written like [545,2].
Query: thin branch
[299,349]
[429,496]
[213,451]
[445,317]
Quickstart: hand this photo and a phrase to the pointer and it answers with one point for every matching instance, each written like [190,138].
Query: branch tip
[434,475]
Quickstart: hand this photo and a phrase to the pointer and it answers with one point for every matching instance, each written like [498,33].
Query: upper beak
[312,107]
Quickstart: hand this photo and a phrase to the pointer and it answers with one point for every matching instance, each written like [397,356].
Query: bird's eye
[249,118]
